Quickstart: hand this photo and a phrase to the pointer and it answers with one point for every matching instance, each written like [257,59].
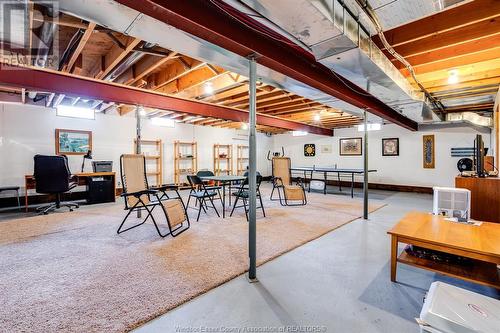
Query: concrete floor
[339,283]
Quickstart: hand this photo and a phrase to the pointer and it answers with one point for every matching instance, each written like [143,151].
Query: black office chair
[201,193]
[243,193]
[52,176]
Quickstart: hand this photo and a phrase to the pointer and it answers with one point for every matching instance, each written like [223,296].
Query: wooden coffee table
[479,243]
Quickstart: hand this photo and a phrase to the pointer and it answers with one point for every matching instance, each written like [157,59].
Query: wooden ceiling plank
[443,85]
[190,78]
[261,96]
[451,52]
[220,84]
[463,71]
[447,20]
[454,37]
[116,55]
[446,64]
[149,64]
[81,45]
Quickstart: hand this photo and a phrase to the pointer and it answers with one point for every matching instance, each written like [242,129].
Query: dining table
[224,181]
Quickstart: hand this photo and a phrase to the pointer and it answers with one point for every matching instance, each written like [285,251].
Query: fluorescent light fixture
[244,126]
[453,76]
[317,117]
[209,88]
[163,122]
[299,133]
[371,127]
[74,112]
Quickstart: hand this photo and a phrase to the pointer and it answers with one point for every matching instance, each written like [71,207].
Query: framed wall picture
[390,147]
[428,147]
[73,142]
[326,149]
[351,147]
[310,150]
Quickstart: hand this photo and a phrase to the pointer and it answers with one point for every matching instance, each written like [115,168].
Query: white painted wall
[405,169]
[28,130]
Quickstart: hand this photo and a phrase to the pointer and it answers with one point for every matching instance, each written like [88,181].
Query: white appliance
[449,309]
[452,202]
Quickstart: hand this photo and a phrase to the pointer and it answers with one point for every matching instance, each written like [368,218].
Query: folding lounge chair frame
[137,196]
[282,183]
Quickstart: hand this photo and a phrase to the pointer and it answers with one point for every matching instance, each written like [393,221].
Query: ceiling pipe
[218,23]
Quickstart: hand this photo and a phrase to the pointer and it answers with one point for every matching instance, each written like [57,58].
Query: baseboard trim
[40,199]
[6,202]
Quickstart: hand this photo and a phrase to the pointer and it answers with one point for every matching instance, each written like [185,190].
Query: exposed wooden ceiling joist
[78,51]
[450,19]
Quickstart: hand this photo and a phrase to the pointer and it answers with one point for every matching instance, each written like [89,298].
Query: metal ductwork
[333,34]
[471,118]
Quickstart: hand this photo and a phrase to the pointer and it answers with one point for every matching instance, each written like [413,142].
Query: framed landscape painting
[390,147]
[351,147]
[73,142]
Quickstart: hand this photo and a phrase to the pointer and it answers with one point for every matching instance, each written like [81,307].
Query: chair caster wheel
[45,213]
[71,210]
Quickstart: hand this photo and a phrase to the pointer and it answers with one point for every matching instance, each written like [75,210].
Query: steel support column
[252,175]
[365,169]
[138,128]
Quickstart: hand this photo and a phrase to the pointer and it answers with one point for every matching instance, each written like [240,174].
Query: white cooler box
[449,309]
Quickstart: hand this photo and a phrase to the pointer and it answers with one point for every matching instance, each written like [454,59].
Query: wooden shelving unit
[241,159]
[153,152]
[185,161]
[223,159]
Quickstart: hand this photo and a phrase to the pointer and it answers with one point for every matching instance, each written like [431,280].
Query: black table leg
[223,200]
[340,184]
[324,189]
[352,185]
[305,179]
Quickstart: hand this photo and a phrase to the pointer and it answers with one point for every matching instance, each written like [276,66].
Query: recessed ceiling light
[317,117]
[142,112]
[453,76]
[244,126]
[209,89]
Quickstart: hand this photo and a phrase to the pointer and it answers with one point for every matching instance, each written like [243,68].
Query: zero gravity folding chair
[139,196]
[282,183]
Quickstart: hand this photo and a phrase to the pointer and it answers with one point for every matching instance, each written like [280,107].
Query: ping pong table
[310,171]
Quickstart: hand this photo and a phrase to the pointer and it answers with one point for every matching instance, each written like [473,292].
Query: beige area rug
[71,272]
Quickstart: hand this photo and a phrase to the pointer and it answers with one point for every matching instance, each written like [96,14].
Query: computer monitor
[102,166]
[479,156]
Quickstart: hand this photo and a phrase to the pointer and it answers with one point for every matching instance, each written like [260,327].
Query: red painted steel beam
[221,24]
[56,82]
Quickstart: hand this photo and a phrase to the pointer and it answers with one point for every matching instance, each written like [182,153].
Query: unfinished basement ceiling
[361,60]
[95,51]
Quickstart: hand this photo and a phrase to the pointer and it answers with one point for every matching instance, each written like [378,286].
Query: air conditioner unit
[452,202]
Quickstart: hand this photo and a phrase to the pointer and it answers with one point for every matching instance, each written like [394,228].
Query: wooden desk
[485,197]
[480,243]
[30,184]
